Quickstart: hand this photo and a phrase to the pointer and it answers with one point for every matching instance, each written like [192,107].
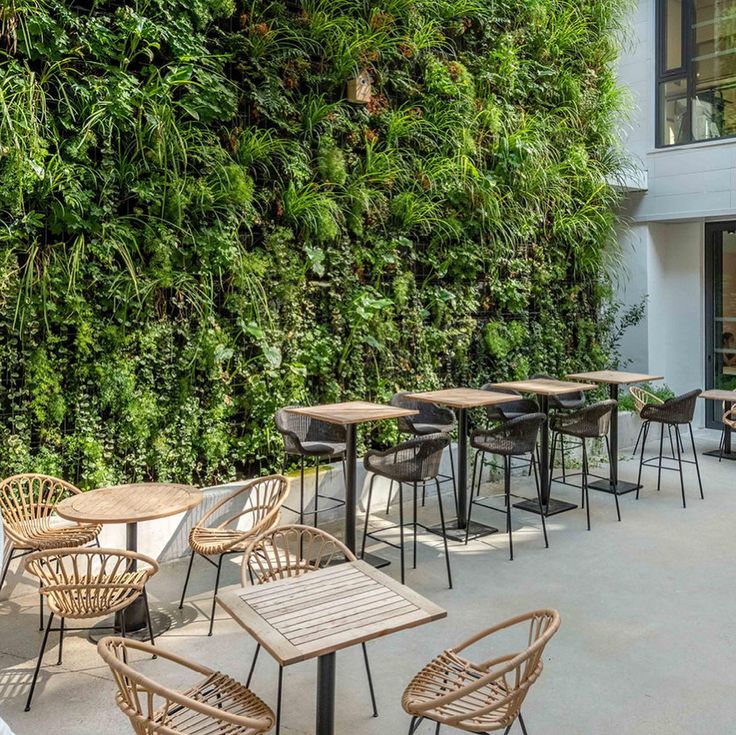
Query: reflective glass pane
[673,34]
[673,112]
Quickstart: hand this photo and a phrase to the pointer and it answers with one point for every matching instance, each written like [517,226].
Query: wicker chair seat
[38,534]
[424,429]
[303,435]
[322,448]
[677,410]
[211,541]
[416,460]
[512,409]
[514,437]
[448,673]
[431,419]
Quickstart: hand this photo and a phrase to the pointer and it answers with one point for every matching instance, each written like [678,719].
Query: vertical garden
[198,227]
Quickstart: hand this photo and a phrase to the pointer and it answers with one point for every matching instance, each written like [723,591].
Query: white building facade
[680,244]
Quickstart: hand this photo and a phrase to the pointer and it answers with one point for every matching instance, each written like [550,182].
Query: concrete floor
[647,643]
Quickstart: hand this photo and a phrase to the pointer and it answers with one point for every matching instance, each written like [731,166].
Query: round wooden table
[131,504]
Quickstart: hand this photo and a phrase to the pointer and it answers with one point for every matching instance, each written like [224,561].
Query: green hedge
[196,226]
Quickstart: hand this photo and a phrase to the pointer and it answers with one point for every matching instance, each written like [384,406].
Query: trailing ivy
[197,227]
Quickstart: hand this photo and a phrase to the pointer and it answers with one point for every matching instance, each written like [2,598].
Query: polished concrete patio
[647,644]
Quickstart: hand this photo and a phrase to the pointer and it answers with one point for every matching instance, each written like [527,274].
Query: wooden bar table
[728,398]
[544,388]
[317,614]
[461,399]
[614,379]
[349,415]
[131,504]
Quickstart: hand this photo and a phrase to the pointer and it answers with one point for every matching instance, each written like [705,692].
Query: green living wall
[197,227]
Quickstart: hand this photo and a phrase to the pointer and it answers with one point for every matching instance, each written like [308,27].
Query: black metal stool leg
[638,439]
[695,457]
[278,699]
[38,662]
[539,501]
[61,642]
[437,729]
[40,608]
[149,623]
[186,581]
[401,529]
[682,479]
[253,665]
[214,595]
[641,458]
[610,464]
[562,453]
[585,484]
[301,493]
[315,514]
[388,500]
[659,470]
[521,722]
[414,524]
[507,495]
[370,680]
[367,515]
[454,479]
[444,535]
[6,566]
[415,722]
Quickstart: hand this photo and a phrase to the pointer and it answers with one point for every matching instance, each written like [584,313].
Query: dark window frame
[686,72]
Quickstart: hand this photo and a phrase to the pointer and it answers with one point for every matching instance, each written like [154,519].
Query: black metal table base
[160,620]
[606,486]
[552,509]
[454,533]
[375,561]
[717,453]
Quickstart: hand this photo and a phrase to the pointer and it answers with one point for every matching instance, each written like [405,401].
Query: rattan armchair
[216,705]
[28,509]
[215,536]
[292,551]
[481,697]
[82,584]
[643,397]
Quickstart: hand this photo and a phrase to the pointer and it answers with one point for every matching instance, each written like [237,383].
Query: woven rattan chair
[481,697]
[591,422]
[516,437]
[28,509]
[415,462]
[82,584]
[216,705]
[214,536]
[292,551]
[307,437]
[673,413]
[431,419]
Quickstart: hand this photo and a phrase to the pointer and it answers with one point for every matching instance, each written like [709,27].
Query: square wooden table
[461,399]
[319,613]
[728,398]
[544,388]
[349,415]
[614,379]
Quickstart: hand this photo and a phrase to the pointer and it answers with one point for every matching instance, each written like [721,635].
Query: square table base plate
[375,561]
[454,533]
[606,486]
[553,508]
[717,453]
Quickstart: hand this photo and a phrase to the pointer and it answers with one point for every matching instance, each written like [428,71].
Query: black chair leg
[585,484]
[61,642]
[6,566]
[682,479]
[186,581]
[610,464]
[278,700]
[414,724]
[40,609]
[253,665]
[437,729]
[149,622]
[641,458]
[301,493]
[214,595]
[562,453]
[521,722]
[454,478]
[638,439]
[388,500]
[367,515]
[695,457]
[414,524]
[401,530]
[539,501]
[507,496]
[370,680]
[659,467]
[315,514]
[444,533]
[38,662]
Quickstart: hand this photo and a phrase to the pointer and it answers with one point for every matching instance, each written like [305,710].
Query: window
[696,70]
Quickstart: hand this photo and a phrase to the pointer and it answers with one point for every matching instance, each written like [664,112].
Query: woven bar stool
[516,437]
[83,584]
[414,462]
[28,509]
[673,413]
[481,697]
[292,551]
[216,704]
[591,422]
[431,419]
[307,437]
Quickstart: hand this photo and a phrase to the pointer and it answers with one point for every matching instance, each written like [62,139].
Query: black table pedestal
[326,695]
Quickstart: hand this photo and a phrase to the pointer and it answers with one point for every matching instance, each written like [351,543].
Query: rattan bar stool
[673,413]
[261,509]
[415,462]
[728,419]
[481,697]
[28,509]
[292,551]
[591,422]
[516,437]
[307,437]
[431,419]
[216,705]
[82,584]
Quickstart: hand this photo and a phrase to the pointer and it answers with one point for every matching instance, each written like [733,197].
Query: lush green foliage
[198,228]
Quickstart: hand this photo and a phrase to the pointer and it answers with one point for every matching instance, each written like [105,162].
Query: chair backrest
[31,498]
[729,418]
[291,551]
[154,709]
[681,409]
[429,413]
[295,428]
[264,497]
[595,420]
[574,398]
[415,460]
[81,582]
[642,397]
[503,411]
[521,432]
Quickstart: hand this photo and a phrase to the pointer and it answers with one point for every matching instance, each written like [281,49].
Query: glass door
[720,312]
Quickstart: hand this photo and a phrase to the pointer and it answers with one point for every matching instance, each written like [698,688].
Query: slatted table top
[321,612]
[143,501]
[463,397]
[546,387]
[716,394]
[353,412]
[615,377]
